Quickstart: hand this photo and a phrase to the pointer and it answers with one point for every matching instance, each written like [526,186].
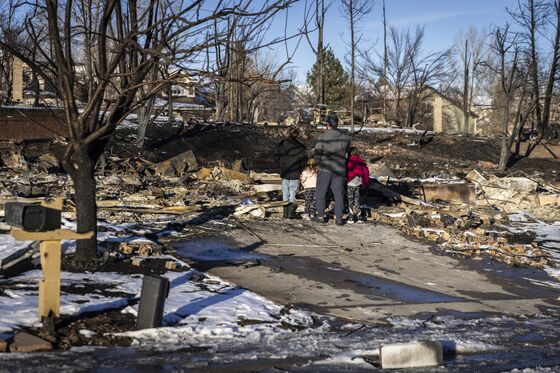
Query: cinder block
[170,264]
[137,261]
[411,355]
[24,342]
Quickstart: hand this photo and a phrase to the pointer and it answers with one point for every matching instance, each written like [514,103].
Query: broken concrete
[256,210]
[178,165]
[24,342]
[203,173]
[381,170]
[459,193]
[549,200]
[227,174]
[266,188]
[48,163]
[411,355]
[20,260]
[14,160]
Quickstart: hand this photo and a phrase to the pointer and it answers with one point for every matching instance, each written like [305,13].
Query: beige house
[447,114]
[24,89]
[435,111]
[184,87]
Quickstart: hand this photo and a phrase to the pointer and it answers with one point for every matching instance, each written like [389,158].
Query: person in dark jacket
[331,154]
[292,159]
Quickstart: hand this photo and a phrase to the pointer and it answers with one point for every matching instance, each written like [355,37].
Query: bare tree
[319,9]
[511,77]
[389,72]
[128,46]
[11,29]
[469,57]
[354,11]
[539,21]
[426,68]
[265,79]
[228,64]
[407,72]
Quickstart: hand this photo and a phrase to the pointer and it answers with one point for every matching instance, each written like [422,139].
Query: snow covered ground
[547,235]
[482,345]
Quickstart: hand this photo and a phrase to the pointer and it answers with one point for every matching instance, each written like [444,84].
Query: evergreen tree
[337,82]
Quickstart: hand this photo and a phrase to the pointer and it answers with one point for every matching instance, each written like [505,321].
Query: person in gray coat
[331,155]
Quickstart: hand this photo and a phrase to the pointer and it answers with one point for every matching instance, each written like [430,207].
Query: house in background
[448,115]
[183,88]
[189,97]
[435,111]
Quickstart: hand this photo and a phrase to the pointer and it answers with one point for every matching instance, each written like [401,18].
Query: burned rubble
[464,215]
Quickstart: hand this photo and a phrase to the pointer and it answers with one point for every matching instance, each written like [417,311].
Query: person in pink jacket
[308,180]
[357,178]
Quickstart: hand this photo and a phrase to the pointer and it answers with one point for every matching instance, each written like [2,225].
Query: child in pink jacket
[357,178]
[308,180]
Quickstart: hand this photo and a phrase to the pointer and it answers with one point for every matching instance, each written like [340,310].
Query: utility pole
[384,111]
[466,77]
[321,26]
[353,64]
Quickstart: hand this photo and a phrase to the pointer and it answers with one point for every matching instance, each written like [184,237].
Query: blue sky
[442,19]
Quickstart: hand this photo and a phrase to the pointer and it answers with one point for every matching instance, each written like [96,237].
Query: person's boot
[292,211]
[320,219]
[286,211]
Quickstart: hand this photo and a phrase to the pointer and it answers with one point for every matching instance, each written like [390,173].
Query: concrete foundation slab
[411,355]
[368,273]
[24,342]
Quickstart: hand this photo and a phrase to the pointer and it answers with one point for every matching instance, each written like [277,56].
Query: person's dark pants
[310,201]
[335,182]
[354,199]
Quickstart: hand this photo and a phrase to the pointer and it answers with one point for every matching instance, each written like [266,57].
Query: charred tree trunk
[220,101]
[170,117]
[552,76]
[144,119]
[518,140]
[86,208]
[9,77]
[505,149]
[36,89]
[353,66]
[466,103]
[320,51]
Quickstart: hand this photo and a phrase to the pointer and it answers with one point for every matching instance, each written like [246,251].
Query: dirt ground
[442,155]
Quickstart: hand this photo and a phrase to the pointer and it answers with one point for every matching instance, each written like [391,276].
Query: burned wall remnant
[19,124]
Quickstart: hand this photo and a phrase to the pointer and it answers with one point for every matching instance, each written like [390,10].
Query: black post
[152,301]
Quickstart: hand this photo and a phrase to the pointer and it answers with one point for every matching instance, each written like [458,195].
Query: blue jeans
[289,190]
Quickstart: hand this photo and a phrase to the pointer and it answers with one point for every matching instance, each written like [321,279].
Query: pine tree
[337,82]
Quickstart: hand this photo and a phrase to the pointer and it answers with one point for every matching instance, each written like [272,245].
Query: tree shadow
[180,280]
[196,306]
[513,160]
[213,213]
[449,349]
[232,257]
